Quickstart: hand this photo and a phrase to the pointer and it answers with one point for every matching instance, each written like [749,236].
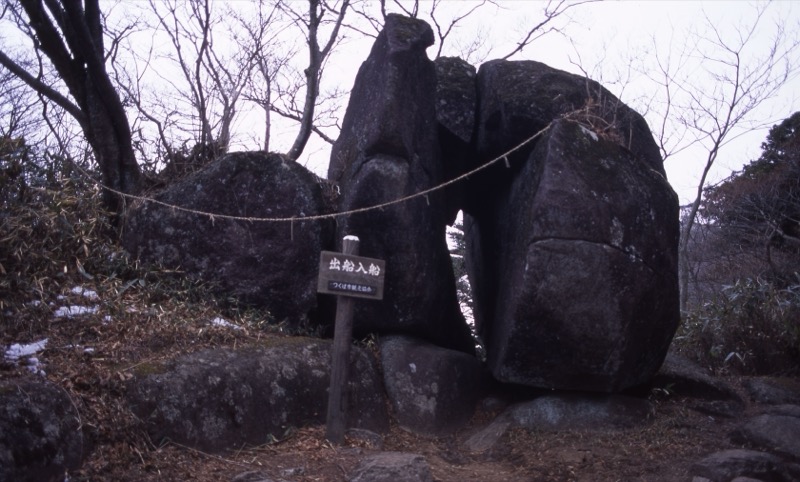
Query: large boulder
[268,264]
[432,390]
[217,400]
[388,149]
[575,266]
[40,432]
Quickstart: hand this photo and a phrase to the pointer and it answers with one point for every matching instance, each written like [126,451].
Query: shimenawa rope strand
[213,216]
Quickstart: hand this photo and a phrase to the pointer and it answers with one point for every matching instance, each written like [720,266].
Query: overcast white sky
[601,39]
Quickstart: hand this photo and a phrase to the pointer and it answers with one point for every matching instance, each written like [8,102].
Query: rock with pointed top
[388,149]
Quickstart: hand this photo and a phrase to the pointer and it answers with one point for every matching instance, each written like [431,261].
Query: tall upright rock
[572,243]
[389,149]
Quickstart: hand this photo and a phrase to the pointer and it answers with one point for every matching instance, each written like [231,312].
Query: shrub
[751,327]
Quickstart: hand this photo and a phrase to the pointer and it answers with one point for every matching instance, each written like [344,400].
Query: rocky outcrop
[271,265]
[218,400]
[389,149]
[571,239]
[40,432]
[432,390]
[575,267]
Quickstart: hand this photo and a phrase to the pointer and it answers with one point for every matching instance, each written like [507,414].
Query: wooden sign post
[348,276]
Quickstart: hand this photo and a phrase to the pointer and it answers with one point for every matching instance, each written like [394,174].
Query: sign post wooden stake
[342,337]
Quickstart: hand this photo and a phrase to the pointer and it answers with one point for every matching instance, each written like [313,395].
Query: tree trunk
[71,36]
[110,139]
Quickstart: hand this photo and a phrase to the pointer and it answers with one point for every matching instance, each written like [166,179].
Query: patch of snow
[88,294]
[72,311]
[17,351]
[23,354]
[33,365]
[223,322]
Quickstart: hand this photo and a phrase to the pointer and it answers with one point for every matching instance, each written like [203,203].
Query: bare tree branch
[317,58]
[552,11]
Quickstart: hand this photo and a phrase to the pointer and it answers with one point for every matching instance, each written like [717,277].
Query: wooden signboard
[348,275]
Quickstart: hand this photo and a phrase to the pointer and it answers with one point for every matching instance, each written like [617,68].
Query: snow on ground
[77,310]
[88,294]
[73,311]
[17,350]
[22,354]
[223,322]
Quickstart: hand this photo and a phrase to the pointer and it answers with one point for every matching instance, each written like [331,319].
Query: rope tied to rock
[319,217]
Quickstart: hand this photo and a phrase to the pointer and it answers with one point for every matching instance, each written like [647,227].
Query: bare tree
[711,92]
[69,34]
[311,24]
[443,29]
[213,79]
[261,40]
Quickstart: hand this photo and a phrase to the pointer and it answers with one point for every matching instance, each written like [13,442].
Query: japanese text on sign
[350,267]
[349,275]
[352,287]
